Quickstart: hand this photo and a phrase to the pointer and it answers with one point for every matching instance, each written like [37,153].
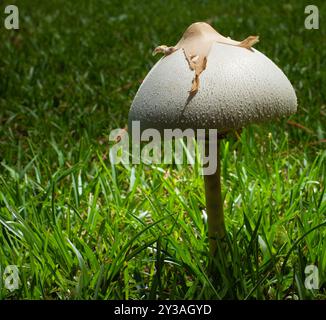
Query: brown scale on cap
[196,43]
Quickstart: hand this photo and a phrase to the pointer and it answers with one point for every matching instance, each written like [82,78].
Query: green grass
[79,228]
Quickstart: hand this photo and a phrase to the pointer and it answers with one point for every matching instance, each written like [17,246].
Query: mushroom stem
[214,204]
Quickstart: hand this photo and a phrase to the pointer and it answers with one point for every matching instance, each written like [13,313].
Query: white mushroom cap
[237,87]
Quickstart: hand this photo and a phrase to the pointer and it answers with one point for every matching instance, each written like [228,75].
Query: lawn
[78,227]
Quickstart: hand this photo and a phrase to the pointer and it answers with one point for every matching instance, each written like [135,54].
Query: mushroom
[209,81]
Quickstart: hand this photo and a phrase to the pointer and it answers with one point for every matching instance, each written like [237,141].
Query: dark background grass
[73,67]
